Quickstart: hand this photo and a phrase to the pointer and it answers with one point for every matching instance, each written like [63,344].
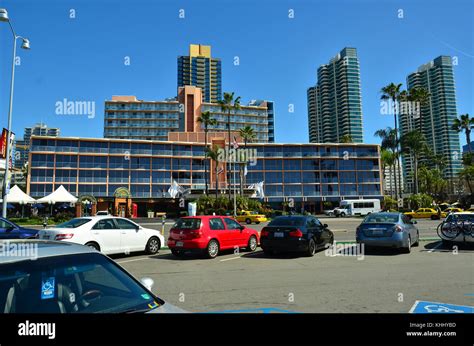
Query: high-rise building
[201,70]
[436,116]
[126,117]
[334,103]
[21,146]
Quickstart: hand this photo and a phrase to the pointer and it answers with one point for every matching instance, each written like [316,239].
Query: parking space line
[437,246]
[229,259]
[133,260]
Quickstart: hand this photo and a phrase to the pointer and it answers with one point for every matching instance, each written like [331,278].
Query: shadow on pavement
[439,246]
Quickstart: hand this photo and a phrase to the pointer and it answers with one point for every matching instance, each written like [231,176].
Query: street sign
[423,307]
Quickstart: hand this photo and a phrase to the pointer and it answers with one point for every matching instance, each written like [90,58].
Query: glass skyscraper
[334,104]
[201,70]
[436,116]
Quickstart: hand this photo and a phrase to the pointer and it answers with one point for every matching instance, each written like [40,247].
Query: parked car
[457,228]
[295,233]
[209,235]
[394,230]
[108,234]
[329,212]
[10,230]
[70,278]
[102,213]
[250,216]
[426,213]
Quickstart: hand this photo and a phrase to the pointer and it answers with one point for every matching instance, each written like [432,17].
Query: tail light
[296,233]
[195,234]
[264,233]
[397,228]
[64,236]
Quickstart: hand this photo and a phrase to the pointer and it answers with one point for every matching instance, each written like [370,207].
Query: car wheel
[93,245]
[153,246]
[311,248]
[434,217]
[268,252]
[248,221]
[331,241]
[252,244]
[343,214]
[212,249]
[177,253]
[447,243]
[257,222]
[408,248]
[417,243]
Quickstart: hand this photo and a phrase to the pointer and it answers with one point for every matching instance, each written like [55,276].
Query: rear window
[193,223]
[287,221]
[74,223]
[381,218]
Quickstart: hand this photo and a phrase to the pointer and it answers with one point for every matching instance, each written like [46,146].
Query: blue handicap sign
[422,307]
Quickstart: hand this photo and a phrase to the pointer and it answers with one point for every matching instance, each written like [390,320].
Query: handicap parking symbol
[423,307]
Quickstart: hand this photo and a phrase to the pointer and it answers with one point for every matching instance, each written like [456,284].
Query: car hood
[167,308]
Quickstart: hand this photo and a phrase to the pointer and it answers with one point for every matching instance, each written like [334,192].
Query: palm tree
[206,120]
[390,142]
[422,96]
[393,92]
[466,124]
[214,154]
[248,135]
[388,159]
[346,139]
[414,144]
[467,173]
[227,105]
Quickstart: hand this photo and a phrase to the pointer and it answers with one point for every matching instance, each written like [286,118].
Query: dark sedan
[295,233]
[10,230]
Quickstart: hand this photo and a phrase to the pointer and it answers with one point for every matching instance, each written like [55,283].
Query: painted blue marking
[257,310]
[423,307]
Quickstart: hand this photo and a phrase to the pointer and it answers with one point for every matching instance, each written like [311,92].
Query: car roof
[391,213]
[31,249]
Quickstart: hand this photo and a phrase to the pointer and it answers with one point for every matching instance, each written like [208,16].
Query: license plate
[179,243]
[44,236]
[377,232]
[278,234]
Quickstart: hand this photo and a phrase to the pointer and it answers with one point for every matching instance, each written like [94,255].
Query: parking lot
[374,281]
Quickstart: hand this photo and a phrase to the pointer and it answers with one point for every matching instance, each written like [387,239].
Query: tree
[392,92]
[387,159]
[214,154]
[466,124]
[248,135]
[206,120]
[467,174]
[228,103]
[390,143]
[346,139]
[422,97]
[431,181]
[414,144]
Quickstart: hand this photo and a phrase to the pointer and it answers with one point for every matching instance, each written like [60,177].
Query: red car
[210,234]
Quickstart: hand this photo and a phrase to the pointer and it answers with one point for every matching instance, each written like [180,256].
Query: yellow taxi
[452,210]
[426,213]
[250,216]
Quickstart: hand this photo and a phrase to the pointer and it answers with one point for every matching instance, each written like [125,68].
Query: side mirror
[147,282]
[242,227]
[325,225]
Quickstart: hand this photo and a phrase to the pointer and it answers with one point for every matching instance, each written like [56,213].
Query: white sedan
[108,234]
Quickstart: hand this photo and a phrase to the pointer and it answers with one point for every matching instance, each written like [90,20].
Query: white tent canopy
[61,195]
[16,195]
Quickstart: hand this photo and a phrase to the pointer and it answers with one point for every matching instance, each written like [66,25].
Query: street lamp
[25,45]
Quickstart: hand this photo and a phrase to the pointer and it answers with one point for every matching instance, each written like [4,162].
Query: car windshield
[381,218]
[74,223]
[460,217]
[82,283]
[191,223]
[287,221]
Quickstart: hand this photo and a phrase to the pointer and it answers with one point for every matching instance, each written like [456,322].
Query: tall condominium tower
[201,70]
[436,116]
[334,103]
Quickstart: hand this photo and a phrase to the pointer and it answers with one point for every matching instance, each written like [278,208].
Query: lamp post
[25,45]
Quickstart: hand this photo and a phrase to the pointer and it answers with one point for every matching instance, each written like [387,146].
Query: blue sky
[82,59]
